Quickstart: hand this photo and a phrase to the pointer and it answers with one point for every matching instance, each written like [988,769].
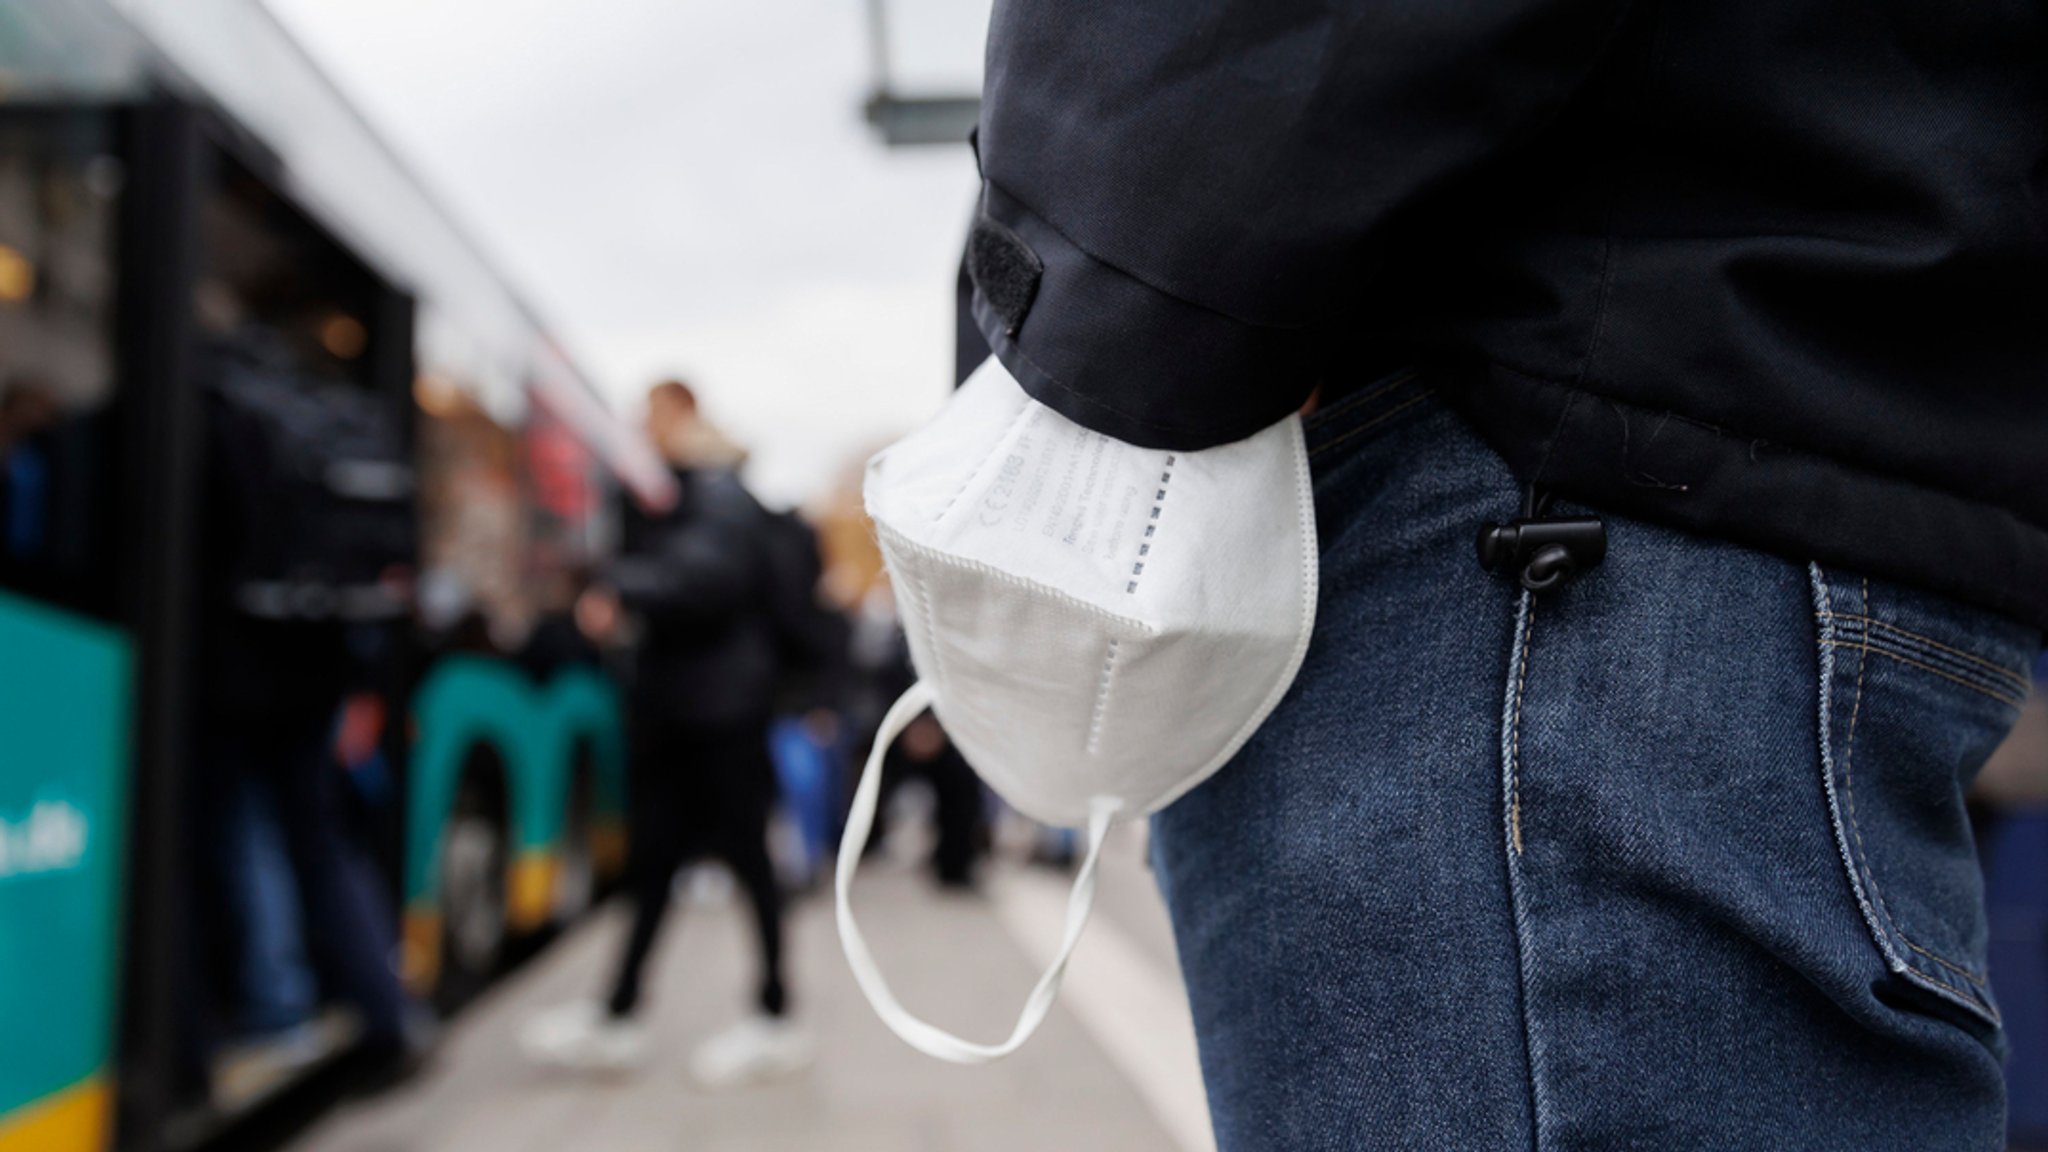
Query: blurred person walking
[702,582]
[880,661]
[305,582]
[1722,327]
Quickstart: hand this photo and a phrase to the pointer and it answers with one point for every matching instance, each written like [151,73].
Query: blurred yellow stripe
[420,949]
[73,1120]
[530,890]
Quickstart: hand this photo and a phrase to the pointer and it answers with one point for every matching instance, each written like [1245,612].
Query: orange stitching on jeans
[1849,792]
[1905,644]
[1958,969]
[2014,694]
[1965,993]
[1347,403]
[1382,418]
[2005,675]
[1980,689]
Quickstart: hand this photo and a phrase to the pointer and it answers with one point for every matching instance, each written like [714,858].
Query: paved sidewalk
[1111,1070]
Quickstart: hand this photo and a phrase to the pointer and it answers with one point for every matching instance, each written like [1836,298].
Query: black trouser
[700,792]
[346,923]
[956,793]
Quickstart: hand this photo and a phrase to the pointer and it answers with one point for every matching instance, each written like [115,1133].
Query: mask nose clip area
[1541,550]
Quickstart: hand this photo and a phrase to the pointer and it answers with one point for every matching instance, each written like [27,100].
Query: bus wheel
[576,866]
[474,862]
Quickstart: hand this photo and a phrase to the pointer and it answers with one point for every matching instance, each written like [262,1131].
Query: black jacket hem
[1752,492]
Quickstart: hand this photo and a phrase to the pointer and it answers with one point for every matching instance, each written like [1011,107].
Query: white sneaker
[754,1050]
[583,1037]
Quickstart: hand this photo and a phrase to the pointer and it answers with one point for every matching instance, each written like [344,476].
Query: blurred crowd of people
[758,653]
[756,678]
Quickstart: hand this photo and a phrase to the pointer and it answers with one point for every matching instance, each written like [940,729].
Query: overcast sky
[686,186]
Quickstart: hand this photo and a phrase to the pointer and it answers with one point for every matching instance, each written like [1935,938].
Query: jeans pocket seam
[1891,639]
[1874,646]
[1877,916]
[1980,689]
[1976,980]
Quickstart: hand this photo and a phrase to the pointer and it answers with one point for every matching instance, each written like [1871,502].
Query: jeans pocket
[1915,694]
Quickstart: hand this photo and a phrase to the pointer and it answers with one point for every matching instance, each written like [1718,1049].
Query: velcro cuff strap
[1116,355]
[1005,270]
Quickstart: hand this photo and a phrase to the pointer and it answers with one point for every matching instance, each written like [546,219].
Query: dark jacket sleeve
[1176,190]
[705,568]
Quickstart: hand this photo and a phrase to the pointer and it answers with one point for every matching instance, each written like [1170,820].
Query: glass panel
[59,187]
[67,49]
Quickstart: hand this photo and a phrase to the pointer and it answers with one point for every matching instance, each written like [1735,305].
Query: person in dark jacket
[1659,841]
[882,670]
[699,580]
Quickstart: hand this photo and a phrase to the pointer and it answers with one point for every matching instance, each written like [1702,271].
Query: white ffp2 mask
[1099,627]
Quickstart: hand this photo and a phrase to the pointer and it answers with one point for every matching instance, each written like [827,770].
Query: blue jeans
[278,990]
[1671,857]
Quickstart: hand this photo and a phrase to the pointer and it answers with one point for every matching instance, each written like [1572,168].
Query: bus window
[59,188]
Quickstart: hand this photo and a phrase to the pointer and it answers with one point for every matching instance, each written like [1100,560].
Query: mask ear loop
[860,820]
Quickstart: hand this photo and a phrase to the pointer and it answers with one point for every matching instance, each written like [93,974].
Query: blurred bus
[179,187]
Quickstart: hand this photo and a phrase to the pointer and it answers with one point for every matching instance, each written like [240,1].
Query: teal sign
[64,720]
[534,728]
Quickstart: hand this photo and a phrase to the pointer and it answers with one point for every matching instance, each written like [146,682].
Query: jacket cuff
[1116,355]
